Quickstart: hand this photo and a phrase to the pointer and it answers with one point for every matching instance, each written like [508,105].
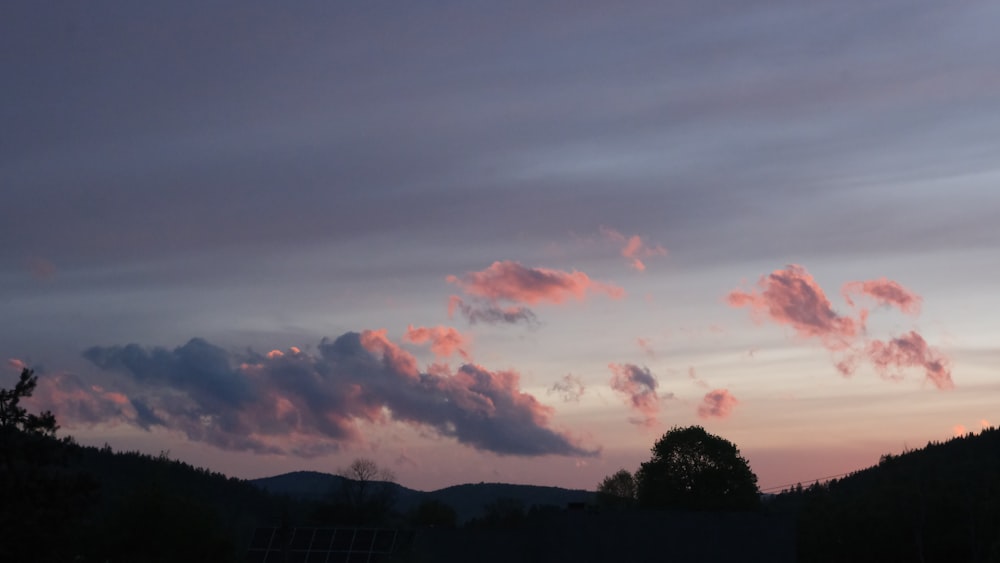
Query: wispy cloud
[303,404]
[570,388]
[634,248]
[693,376]
[646,346]
[491,313]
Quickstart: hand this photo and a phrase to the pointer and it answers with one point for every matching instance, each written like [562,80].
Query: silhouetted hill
[122,506]
[939,503]
[306,485]
[468,500]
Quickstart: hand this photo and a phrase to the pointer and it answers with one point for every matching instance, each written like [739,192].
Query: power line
[807,481]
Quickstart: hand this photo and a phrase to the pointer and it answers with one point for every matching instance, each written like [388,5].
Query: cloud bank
[302,404]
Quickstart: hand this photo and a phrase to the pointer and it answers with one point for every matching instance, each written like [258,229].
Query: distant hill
[468,500]
[306,485]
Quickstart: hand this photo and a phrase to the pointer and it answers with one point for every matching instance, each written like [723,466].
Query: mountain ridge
[468,499]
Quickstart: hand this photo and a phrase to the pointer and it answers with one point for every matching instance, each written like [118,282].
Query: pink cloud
[693,376]
[792,297]
[510,281]
[633,248]
[910,350]
[885,292]
[847,364]
[959,430]
[639,387]
[400,361]
[445,341]
[17,364]
[718,403]
[77,404]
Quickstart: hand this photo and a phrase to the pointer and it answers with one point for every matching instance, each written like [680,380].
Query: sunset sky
[502,241]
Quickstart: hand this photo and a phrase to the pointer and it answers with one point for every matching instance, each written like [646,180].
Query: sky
[502,242]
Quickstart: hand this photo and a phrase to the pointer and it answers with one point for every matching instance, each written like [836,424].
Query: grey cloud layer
[237,127]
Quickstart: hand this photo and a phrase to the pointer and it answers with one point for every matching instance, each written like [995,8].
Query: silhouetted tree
[617,489]
[15,417]
[694,470]
[368,491]
[41,500]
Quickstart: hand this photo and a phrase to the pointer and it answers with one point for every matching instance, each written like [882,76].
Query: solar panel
[321,545]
